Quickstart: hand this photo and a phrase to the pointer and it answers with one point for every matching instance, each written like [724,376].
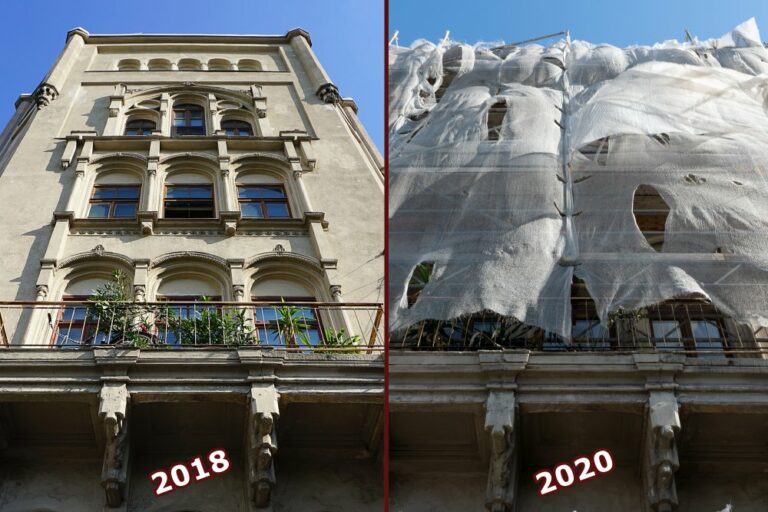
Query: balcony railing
[695,328]
[296,326]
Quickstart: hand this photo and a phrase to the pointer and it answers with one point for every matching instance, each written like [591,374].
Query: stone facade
[83,429]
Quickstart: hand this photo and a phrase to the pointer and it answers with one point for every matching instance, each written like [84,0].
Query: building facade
[226,205]
[579,321]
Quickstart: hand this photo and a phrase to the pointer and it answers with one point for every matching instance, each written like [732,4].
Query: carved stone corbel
[329,93]
[661,460]
[500,422]
[45,94]
[113,408]
[263,443]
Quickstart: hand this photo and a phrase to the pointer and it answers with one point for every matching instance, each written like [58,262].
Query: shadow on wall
[96,119]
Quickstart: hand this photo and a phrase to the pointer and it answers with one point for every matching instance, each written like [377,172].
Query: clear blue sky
[347,36]
[617,22]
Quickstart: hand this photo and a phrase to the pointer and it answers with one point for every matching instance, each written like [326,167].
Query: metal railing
[695,328]
[298,326]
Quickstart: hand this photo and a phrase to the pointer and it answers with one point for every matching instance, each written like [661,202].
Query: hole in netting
[596,151]
[662,138]
[495,119]
[651,212]
[451,66]
[419,278]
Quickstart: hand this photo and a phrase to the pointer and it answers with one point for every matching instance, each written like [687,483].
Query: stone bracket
[113,409]
[661,458]
[262,446]
[500,412]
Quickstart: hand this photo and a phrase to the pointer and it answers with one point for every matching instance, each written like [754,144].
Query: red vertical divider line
[386,259]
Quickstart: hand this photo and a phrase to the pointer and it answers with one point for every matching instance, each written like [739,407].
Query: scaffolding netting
[514,169]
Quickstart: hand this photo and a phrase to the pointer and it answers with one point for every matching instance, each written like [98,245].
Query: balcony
[692,327]
[351,328]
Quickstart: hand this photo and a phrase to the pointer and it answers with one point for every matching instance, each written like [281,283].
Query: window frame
[189,299]
[189,185]
[679,312]
[236,131]
[143,132]
[263,326]
[188,119]
[87,328]
[114,202]
[263,202]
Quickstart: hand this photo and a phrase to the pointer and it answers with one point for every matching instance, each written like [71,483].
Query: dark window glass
[139,127]
[188,120]
[263,201]
[189,202]
[75,329]
[237,128]
[114,201]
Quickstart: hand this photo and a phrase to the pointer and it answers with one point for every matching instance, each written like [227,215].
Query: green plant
[291,325]
[208,325]
[118,320]
[340,339]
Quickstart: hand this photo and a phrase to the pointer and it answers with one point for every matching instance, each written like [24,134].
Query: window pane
[669,329]
[105,193]
[277,210]
[705,329]
[196,114]
[69,337]
[178,122]
[128,192]
[189,192]
[261,192]
[98,211]
[125,210]
[195,122]
[131,132]
[266,314]
[251,210]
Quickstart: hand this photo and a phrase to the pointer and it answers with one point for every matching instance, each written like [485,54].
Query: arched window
[189,65]
[271,321]
[219,65]
[140,127]
[193,291]
[235,128]
[159,65]
[189,196]
[263,201]
[188,119]
[129,65]
[249,65]
[115,196]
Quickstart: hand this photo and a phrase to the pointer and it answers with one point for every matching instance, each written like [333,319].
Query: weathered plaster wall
[446,492]
[336,485]
[56,485]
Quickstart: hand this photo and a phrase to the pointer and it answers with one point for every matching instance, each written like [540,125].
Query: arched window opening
[114,196]
[219,65]
[651,212]
[189,201]
[268,201]
[236,128]
[290,321]
[495,119]
[188,119]
[249,65]
[189,65]
[129,65]
[137,127]
[159,65]
[188,323]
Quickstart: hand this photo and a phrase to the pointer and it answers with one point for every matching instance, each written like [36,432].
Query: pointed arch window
[188,119]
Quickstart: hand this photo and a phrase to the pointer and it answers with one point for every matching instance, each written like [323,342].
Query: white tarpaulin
[508,222]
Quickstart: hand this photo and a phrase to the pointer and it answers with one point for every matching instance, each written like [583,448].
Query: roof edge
[188,38]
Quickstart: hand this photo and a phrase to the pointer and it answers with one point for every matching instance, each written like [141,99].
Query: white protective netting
[508,222]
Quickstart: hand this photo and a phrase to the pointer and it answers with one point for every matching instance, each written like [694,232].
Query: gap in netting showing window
[420,276]
[495,119]
[650,212]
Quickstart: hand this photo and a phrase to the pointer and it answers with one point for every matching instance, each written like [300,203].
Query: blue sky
[347,36]
[618,22]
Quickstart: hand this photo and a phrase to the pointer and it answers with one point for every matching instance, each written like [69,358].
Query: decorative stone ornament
[329,93]
[499,422]
[113,408]
[263,443]
[661,451]
[45,94]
